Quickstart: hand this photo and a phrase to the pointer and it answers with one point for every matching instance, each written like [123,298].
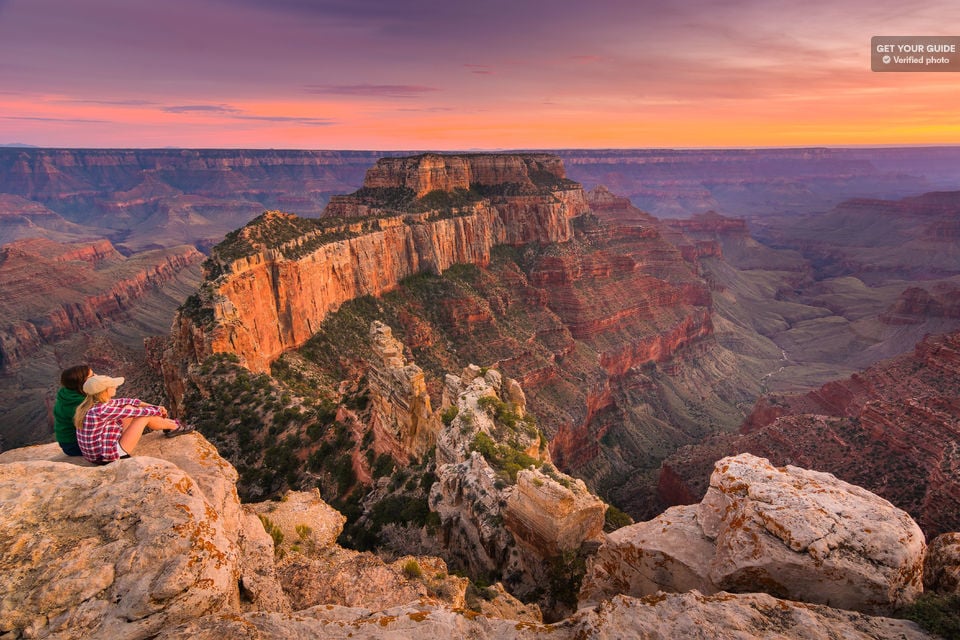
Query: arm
[120,408]
[137,402]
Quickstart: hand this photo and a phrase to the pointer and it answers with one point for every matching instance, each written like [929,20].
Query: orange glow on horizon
[889,110]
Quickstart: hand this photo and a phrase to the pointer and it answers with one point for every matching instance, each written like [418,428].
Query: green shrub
[304,531]
[936,613]
[613,519]
[506,460]
[383,466]
[274,532]
[411,569]
[448,414]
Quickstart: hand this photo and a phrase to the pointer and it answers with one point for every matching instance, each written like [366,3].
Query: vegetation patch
[274,532]
[504,459]
[614,519]
[939,614]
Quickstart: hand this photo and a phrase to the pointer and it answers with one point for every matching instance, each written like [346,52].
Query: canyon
[689,320]
[587,337]
[555,298]
[892,428]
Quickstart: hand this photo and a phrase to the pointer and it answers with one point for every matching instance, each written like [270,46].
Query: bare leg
[133,429]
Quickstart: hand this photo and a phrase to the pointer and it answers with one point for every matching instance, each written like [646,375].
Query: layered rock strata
[53,290]
[274,296]
[893,429]
[434,172]
[497,517]
[790,532]
[401,416]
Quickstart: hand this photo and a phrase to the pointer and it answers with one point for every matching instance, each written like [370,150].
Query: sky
[454,75]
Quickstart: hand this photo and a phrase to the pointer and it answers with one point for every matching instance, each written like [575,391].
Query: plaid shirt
[103,426]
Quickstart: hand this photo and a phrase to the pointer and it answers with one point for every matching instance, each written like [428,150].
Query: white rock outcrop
[143,549]
[941,566]
[790,532]
[503,508]
[119,551]
[665,617]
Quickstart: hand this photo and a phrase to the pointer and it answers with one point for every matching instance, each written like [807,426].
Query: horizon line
[946,145]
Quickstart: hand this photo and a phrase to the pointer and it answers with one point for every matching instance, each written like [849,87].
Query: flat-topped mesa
[432,182]
[530,173]
[270,284]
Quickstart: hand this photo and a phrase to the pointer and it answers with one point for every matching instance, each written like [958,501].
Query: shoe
[180,430]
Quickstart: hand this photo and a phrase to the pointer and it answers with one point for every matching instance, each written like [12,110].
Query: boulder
[119,551]
[790,532]
[669,553]
[304,521]
[343,577]
[941,566]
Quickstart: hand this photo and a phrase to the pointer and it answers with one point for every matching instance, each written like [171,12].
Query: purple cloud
[310,122]
[480,69]
[111,103]
[43,119]
[201,108]
[371,90]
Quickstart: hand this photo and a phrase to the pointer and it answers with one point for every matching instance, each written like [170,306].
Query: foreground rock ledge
[664,617]
[790,532]
[158,546]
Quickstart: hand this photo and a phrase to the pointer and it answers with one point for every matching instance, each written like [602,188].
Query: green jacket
[63,409]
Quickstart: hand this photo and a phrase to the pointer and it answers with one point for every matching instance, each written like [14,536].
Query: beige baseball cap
[98,384]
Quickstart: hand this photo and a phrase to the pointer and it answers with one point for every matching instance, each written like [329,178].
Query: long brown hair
[86,405]
[74,377]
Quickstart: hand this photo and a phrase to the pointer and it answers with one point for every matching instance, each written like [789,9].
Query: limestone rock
[304,520]
[119,551]
[669,553]
[342,577]
[794,533]
[497,518]
[665,617]
[553,515]
[941,566]
[260,588]
[808,536]
[401,414]
[495,602]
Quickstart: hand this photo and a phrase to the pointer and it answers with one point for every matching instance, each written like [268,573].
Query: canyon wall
[53,290]
[892,429]
[275,297]
[432,172]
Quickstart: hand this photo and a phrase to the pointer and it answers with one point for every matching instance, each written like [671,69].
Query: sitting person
[109,428]
[69,397]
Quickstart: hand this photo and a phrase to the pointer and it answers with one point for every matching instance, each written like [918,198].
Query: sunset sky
[449,74]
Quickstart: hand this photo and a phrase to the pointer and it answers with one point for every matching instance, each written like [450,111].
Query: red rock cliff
[54,290]
[892,429]
[432,172]
[275,296]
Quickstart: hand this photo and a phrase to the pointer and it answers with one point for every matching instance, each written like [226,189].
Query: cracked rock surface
[790,532]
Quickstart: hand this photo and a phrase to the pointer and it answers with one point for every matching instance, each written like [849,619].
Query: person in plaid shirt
[109,428]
